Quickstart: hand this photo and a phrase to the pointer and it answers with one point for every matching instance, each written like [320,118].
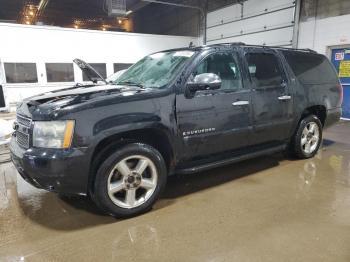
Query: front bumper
[60,170]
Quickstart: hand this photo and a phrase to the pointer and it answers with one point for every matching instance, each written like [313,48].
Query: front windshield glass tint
[156,70]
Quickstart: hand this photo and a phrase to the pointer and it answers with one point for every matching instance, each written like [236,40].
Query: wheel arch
[155,137]
[318,110]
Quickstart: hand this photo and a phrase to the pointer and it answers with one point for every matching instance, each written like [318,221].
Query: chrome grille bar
[22,133]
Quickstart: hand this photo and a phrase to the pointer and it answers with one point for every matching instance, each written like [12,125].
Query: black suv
[177,111]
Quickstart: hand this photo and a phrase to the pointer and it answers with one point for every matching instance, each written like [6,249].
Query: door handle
[286,97]
[240,103]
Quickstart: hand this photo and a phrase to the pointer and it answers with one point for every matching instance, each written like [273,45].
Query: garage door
[341,61]
[259,22]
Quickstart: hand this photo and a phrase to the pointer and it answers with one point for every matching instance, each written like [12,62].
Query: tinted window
[225,66]
[21,73]
[264,70]
[59,72]
[120,66]
[310,68]
[100,68]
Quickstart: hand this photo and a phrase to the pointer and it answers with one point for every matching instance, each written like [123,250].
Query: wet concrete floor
[266,209]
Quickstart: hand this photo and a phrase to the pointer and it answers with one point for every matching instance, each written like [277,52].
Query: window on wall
[225,66]
[264,70]
[121,66]
[59,72]
[100,68]
[21,73]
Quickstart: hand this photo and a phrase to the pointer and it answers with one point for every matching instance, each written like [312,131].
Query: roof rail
[232,43]
[285,48]
[265,46]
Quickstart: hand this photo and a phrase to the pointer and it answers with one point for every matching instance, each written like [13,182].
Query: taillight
[341,92]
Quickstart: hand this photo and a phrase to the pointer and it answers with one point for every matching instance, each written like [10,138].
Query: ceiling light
[27,22]
[76,27]
[120,21]
[129,12]
[31,13]
[103,29]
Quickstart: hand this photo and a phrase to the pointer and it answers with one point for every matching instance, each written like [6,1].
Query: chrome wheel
[310,138]
[132,181]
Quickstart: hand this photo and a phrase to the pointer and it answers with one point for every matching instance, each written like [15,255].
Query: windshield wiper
[130,83]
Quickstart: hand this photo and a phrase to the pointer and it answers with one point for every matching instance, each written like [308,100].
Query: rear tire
[130,180]
[308,138]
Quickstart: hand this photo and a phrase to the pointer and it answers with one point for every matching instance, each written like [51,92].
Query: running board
[232,160]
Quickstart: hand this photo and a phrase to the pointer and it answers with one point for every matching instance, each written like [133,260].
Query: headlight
[53,134]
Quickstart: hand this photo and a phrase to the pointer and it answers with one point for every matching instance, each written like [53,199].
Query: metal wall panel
[281,37]
[254,22]
[252,7]
[264,22]
[224,15]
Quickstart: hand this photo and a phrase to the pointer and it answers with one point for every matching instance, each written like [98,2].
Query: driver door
[215,121]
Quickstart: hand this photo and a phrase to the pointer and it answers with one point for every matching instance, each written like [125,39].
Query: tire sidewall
[297,140]
[100,192]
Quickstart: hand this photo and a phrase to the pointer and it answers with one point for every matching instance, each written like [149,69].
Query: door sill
[232,160]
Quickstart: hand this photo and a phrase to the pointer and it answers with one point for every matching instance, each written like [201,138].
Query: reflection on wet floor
[266,209]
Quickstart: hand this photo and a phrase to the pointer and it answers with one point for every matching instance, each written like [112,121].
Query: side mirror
[206,81]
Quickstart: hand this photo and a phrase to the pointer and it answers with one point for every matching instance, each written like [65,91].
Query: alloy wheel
[132,181]
[310,138]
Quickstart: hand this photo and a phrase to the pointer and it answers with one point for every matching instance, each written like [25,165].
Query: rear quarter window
[311,68]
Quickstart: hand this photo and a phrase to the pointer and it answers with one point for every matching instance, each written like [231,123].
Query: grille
[22,139]
[23,121]
[22,133]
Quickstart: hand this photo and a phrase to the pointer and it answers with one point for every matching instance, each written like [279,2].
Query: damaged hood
[50,105]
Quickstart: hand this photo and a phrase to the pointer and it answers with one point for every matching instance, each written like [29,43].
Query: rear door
[271,98]
[214,121]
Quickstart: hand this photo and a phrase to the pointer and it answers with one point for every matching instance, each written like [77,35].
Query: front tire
[308,138]
[130,180]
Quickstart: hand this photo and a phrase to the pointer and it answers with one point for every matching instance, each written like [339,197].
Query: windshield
[114,77]
[156,70]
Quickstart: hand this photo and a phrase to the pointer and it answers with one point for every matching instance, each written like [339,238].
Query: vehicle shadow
[180,185]
[75,213]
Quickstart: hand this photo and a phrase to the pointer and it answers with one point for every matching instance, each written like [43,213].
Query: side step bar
[232,160]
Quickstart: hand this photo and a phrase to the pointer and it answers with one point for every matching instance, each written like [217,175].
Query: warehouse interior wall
[324,24]
[45,44]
